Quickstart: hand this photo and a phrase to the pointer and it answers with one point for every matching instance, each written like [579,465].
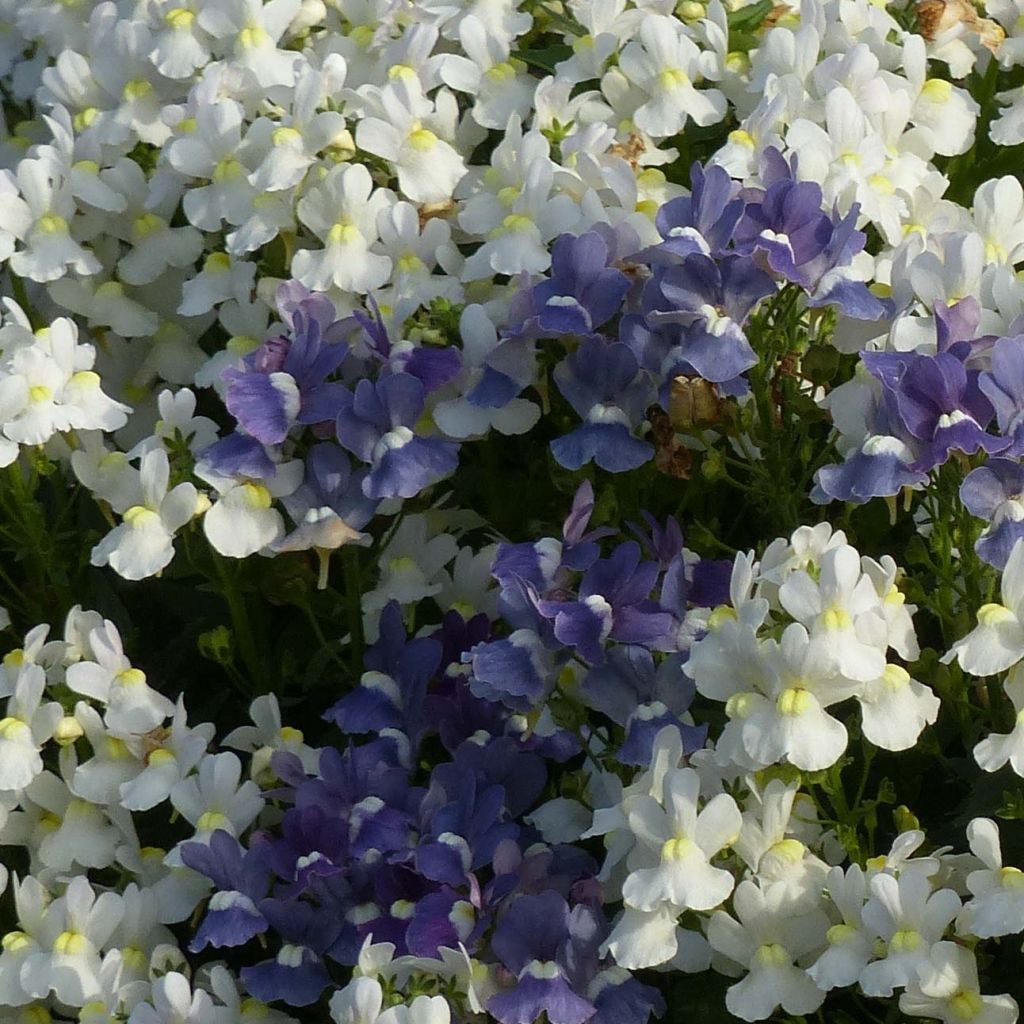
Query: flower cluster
[597,426]
[87,747]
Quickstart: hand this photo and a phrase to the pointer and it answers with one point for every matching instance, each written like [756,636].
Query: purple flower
[995,492]
[518,670]
[462,823]
[285,381]
[241,877]
[432,367]
[702,222]
[532,940]
[614,603]
[879,468]
[1003,385]
[376,425]
[605,386]
[642,698]
[710,300]
[241,455]
[297,975]
[939,403]
[391,692]
[583,291]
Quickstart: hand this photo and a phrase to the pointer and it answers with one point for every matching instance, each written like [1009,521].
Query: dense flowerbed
[511,511]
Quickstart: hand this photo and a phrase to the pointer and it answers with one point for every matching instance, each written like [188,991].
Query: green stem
[240,624]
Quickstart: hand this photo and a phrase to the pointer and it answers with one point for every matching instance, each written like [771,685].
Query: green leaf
[748,18]
[547,58]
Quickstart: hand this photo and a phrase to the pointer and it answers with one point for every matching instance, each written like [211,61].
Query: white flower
[168,756]
[216,798]
[143,544]
[788,721]
[178,420]
[841,612]
[267,735]
[31,900]
[254,28]
[498,83]
[665,63]
[681,842]
[910,918]
[998,216]
[212,149]
[27,724]
[998,904]
[298,137]
[76,927]
[997,642]
[849,944]
[359,1002]
[174,1002]
[948,990]
[410,565]
[38,211]
[417,251]
[342,212]
[409,138]
[76,832]
[243,520]
[945,113]
[895,708]
[132,706]
[180,46]
[767,939]
[768,845]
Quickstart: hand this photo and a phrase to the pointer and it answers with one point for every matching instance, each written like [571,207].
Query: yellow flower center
[673,78]
[966,1005]
[794,702]
[210,821]
[906,940]
[840,934]
[252,37]
[677,849]
[84,118]
[1011,878]
[895,677]
[256,495]
[991,615]
[180,17]
[228,169]
[343,233]
[285,135]
[70,943]
[15,942]
[422,139]
[147,224]
[722,614]
[217,263]
[40,393]
[771,955]
[52,224]
[14,729]
[836,618]
[132,677]
[935,90]
[740,705]
[503,72]
[136,89]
